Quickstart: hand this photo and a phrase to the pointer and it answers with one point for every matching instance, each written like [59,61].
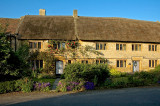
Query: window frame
[59,45]
[153,63]
[39,45]
[138,46]
[69,61]
[119,65]
[152,47]
[84,61]
[35,45]
[101,46]
[37,64]
[30,45]
[101,61]
[121,46]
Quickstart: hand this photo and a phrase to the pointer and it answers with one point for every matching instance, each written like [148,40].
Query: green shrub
[7,86]
[150,77]
[108,82]
[87,72]
[24,85]
[119,82]
[115,73]
[34,74]
[157,68]
[62,76]
[146,75]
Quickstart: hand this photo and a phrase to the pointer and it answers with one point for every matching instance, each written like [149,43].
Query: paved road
[149,96]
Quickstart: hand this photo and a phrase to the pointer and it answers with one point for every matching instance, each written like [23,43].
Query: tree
[4,53]
[12,63]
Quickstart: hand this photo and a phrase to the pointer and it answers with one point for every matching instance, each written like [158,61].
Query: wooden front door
[135,66]
[59,67]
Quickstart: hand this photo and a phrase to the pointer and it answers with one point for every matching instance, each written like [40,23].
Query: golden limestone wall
[112,55]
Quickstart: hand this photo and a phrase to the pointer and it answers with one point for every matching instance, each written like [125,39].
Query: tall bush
[87,72]
[7,86]
[24,85]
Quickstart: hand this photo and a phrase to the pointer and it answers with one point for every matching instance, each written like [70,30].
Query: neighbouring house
[127,45]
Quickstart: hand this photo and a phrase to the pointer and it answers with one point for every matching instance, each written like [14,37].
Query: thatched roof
[47,27]
[89,28]
[118,29]
[10,24]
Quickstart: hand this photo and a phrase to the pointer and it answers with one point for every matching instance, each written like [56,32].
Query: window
[36,64]
[136,47]
[152,63]
[100,46]
[59,45]
[120,46]
[84,61]
[63,45]
[121,63]
[69,61]
[152,47]
[30,44]
[101,61]
[35,45]
[55,46]
[41,63]
[39,45]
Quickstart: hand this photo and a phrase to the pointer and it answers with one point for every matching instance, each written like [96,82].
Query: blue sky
[134,9]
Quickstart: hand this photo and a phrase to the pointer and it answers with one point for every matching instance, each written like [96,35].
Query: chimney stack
[75,14]
[42,12]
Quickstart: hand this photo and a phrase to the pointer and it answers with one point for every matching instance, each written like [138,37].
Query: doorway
[136,66]
[59,67]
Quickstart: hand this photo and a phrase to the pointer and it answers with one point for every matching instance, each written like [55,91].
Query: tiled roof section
[10,24]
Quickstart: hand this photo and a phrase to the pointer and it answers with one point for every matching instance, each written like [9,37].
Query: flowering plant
[89,85]
[64,85]
[72,44]
[41,86]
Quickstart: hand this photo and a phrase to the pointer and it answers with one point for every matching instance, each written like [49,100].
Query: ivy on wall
[48,58]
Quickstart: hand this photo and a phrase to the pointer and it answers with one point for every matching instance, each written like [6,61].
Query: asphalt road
[149,96]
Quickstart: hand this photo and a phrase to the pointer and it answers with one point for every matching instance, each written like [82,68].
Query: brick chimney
[75,14]
[42,12]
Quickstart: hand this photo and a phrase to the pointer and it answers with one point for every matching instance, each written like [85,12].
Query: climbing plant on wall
[72,49]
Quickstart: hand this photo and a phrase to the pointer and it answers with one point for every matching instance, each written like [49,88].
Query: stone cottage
[127,45]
